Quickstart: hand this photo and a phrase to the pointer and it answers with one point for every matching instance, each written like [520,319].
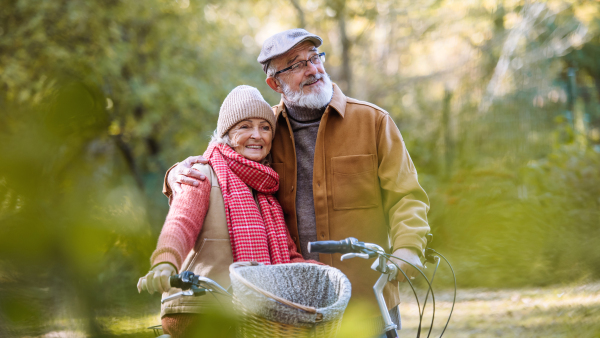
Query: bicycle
[195,286]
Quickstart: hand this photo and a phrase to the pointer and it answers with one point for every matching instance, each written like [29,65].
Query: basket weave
[288,300]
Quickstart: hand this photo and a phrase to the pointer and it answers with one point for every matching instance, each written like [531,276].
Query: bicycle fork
[387,275]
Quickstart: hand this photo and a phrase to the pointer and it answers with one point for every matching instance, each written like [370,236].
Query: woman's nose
[255,134]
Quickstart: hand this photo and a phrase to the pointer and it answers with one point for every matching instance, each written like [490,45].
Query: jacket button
[322,234]
[319,184]
[292,188]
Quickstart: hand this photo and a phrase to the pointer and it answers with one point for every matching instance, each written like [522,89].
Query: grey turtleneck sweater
[305,125]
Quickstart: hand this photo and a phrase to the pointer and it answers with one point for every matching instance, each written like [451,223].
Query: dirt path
[568,311]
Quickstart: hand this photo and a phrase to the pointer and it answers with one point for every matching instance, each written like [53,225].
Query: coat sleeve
[182,226]
[404,201]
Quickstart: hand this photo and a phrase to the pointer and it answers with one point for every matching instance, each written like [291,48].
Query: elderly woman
[229,217]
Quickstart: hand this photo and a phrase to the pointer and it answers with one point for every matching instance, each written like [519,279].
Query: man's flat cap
[281,43]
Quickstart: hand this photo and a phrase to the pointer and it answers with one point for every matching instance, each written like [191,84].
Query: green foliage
[534,225]
[66,208]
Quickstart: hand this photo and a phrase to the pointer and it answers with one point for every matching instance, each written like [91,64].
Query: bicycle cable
[414,292]
[417,298]
[212,292]
[427,295]
[454,300]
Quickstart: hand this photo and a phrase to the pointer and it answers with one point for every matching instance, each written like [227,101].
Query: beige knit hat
[243,102]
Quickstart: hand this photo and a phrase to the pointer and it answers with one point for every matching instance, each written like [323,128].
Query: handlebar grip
[175,281]
[329,247]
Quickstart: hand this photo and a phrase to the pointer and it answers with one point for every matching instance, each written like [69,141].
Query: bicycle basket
[288,300]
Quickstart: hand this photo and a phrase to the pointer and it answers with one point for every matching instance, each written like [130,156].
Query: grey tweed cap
[282,42]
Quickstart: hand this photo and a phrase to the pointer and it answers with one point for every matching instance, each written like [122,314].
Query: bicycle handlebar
[184,280]
[348,245]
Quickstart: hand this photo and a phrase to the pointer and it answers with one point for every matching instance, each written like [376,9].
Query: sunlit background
[498,103]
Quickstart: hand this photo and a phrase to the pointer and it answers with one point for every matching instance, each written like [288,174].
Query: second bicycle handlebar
[348,245]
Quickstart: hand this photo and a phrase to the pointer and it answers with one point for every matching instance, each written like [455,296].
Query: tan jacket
[211,255]
[364,186]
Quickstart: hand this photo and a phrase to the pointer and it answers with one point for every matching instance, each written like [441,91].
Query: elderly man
[343,167]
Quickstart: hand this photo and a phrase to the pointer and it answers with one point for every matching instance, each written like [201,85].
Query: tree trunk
[129,159]
[346,76]
[448,144]
[301,20]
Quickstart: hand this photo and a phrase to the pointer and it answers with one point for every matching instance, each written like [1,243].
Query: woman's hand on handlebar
[412,257]
[157,280]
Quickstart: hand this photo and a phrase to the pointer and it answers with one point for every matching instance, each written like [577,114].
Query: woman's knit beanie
[243,102]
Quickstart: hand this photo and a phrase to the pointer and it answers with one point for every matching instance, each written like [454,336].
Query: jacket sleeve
[166,188]
[182,226]
[404,201]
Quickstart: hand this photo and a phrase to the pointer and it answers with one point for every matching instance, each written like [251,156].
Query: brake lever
[177,295]
[352,255]
[194,291]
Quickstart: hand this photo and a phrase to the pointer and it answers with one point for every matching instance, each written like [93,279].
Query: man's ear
[274,84]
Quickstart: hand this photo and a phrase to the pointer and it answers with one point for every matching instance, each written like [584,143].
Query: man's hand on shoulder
[411,256]
[184,174]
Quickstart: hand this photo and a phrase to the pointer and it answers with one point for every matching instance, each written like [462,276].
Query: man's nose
[310,69]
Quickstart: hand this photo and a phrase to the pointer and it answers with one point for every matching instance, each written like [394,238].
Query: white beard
[320,99]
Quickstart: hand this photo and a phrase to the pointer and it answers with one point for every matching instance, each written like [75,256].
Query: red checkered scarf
[255,236]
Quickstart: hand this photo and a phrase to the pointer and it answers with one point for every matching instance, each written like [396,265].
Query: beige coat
[211,255]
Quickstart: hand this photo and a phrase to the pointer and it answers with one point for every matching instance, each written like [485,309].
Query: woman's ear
[274,84]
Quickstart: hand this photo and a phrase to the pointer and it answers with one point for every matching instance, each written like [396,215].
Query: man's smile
[313,82]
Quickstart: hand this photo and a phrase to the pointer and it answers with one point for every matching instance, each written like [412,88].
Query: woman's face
[252,138]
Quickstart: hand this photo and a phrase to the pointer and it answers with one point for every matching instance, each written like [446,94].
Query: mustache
[311,79]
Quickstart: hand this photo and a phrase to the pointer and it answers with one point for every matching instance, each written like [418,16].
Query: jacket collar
[338,103]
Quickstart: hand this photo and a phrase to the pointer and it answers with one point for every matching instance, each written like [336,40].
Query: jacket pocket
[355,183]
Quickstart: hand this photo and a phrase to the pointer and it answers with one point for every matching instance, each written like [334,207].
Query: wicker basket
[288,300]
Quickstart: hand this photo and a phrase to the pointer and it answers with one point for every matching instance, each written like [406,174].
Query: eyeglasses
[316,59]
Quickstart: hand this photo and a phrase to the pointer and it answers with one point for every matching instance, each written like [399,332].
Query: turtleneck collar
[303,114]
